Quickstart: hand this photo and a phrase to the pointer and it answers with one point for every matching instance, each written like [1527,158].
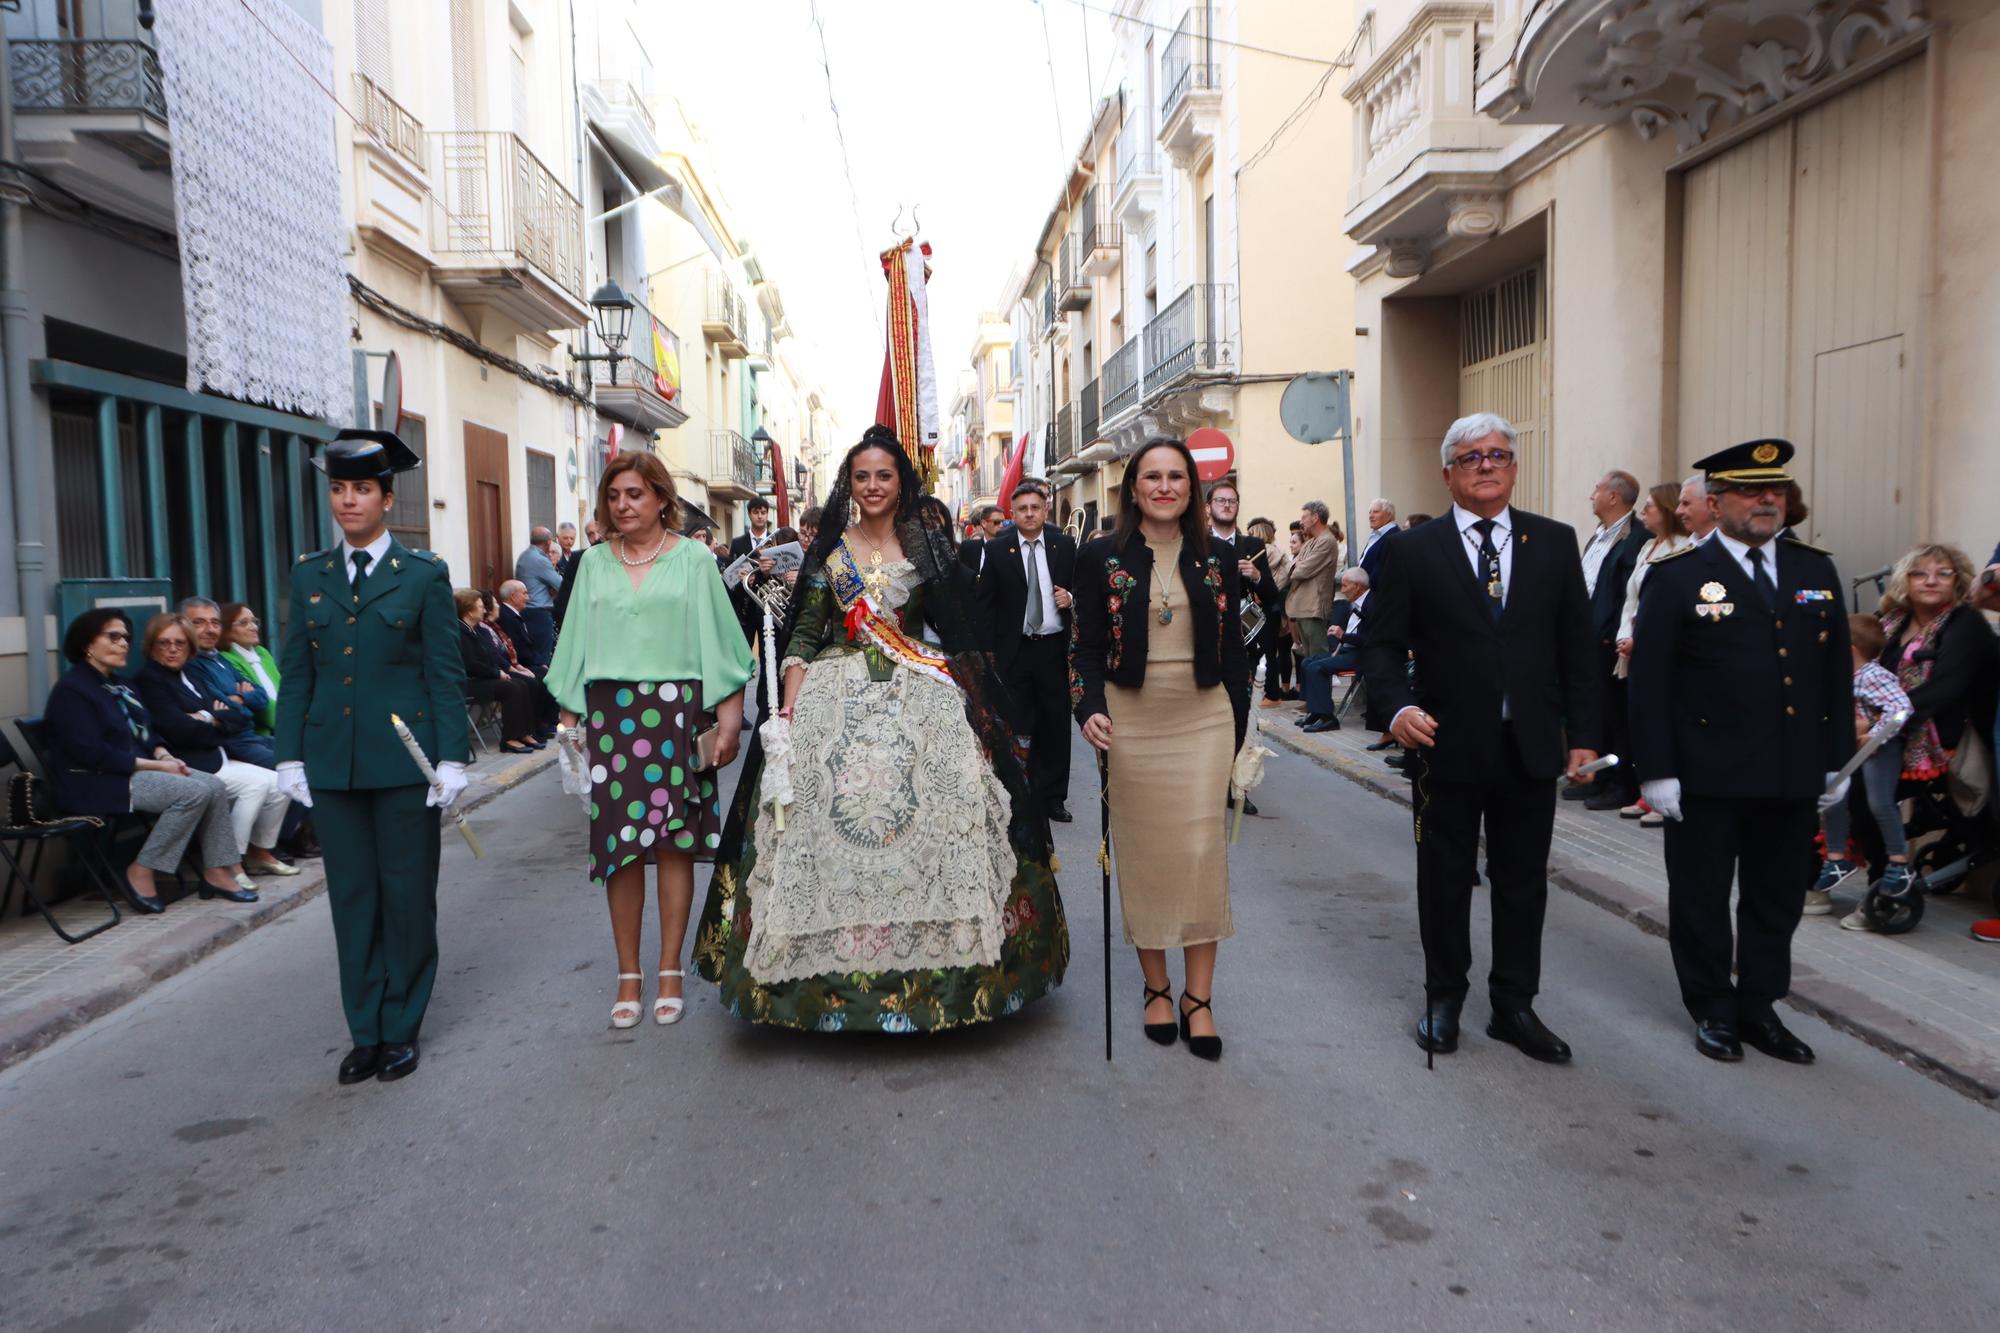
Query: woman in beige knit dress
[1160,682]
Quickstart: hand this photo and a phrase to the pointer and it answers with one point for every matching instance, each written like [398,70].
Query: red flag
[779,493]
[1010,476]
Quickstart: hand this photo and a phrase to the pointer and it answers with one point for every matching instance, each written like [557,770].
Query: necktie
[1766,589]
[1036,615]
[1489,559]
[360,560]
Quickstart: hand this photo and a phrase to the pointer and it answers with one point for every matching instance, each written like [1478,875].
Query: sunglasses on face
[118,636]
[1469,462]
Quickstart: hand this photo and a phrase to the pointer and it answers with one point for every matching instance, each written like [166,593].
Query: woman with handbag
[1161,684]
[906,886]
[103,759]
[650,654]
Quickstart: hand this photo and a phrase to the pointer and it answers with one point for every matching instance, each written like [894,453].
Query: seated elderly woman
[1943,654]
[186,720]
[104,760]
[243,650]
[488,678]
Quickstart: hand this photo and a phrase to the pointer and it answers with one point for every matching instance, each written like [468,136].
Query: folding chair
[1356,686]
[483,715]
[14,839]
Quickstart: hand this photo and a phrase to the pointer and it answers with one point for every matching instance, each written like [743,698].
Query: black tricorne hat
[1752,463]
[366,455]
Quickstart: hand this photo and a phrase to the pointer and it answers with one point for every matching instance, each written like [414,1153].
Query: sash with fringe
[865,620]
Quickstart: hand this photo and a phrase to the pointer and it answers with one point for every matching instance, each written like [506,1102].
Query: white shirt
[1741,555]
[1503,534]
[376,550]
[760,539]
[1354,618]
[1037,552]
[1599,546]
[1375,535]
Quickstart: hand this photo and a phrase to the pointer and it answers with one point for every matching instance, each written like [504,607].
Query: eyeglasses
[1470,462]
[118,636]
[178,645]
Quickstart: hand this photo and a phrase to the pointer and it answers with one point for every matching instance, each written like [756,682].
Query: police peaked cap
[1752,463]
[366,455]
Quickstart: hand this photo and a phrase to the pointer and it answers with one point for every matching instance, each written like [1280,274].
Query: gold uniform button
[350,620]
[1781,624]
[348,651]
[349,680]
[1783,653]
[1788,680]
[1791,711]
[349,712]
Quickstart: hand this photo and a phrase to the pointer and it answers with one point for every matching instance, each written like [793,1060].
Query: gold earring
[853,512]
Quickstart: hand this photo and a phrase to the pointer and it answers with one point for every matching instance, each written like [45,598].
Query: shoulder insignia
[430,556]
[1689,549]
[1805,546]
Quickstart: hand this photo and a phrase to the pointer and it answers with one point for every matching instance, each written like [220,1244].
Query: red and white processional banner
[907,403]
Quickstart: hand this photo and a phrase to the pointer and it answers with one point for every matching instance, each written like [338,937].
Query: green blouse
[677,625]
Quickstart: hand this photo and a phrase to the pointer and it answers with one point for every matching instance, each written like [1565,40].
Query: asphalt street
[189,1162]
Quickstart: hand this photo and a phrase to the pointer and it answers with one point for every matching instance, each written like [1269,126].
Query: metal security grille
[541,470]
[1503,342]
[410,509]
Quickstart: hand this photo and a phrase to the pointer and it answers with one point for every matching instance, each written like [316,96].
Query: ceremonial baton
[1598,766]
[431,777]
[1878,736]
[1104,863]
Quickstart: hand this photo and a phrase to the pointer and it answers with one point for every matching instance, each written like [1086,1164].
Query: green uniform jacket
[349,661]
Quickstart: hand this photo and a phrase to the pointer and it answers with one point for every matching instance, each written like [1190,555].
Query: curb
[1960,1067]
[117,982]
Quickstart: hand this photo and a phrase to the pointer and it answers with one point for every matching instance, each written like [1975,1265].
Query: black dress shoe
[1202,1048]
[1717,1040]
[1437,1030]
[1060,813]
[205,891]
[1577,791]
[1610,798]
[1249,806]
[1305,719]
[361,1062]
[1520,1028]
[139,902]
[1161,1034]
[1377,746]
[1776,1040]
[399,1060]
[1324,724]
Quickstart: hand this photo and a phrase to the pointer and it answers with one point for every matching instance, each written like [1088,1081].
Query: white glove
[1664,795]
[292,783]
[450,784]
[1835,793]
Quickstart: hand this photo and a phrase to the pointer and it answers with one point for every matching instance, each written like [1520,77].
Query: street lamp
[762,439]
[614,324]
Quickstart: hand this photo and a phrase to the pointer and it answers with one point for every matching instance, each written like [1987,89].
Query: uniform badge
[1713,592]
[1714,611]
[1804,595]
[394,563]
[315,597]
[1765,453]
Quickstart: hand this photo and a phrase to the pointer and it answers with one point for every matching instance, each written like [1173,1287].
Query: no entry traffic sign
[1213,454]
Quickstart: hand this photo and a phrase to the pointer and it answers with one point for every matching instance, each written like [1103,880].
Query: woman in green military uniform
[372,631]
[909,886]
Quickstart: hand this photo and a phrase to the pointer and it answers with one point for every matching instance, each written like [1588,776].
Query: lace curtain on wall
[257,199]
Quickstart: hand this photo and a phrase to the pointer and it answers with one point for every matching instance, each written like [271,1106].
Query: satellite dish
[1315,406]
[392,395]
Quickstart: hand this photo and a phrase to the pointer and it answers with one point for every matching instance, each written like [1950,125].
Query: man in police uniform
[1742,711]
[373,631]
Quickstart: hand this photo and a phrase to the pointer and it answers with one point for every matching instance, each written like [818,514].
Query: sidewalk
[1930,997]
[48,988]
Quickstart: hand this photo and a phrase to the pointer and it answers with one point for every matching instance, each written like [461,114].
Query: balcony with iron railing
[1137,195]
[726,318]
[1194,335]
[106,90]
[732,473]
[1191,106]
[1049,305]
[643,386]
[508,235]
[388,123]
[1121,379]
[1086,414]
[1075,290]
[1064,446]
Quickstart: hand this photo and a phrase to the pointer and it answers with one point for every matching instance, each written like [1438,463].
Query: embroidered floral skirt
[894,899]
[643,793]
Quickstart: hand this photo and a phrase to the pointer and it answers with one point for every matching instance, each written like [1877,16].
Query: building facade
[1644,231]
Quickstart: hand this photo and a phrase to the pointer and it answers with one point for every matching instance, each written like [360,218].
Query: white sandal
[625,1013]
[669,1008]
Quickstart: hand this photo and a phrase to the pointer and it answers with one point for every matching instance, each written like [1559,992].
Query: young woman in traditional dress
[1160,680]
[908,886]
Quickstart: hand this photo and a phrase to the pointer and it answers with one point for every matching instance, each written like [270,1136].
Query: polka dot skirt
[644,793]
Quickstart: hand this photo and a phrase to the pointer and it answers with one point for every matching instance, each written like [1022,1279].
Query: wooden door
[487,506]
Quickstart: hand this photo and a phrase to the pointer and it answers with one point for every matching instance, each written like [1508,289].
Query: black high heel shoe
[1163,1033]
[1206,1048]
[207,891]
[139,902]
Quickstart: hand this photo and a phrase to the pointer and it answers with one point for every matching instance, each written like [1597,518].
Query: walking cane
[1104,863]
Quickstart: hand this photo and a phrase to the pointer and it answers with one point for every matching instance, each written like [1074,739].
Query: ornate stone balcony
[1191,108]
[1696,70]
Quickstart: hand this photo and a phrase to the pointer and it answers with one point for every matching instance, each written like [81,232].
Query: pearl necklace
[619,550]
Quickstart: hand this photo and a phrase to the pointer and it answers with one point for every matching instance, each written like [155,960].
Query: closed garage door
[1800,270]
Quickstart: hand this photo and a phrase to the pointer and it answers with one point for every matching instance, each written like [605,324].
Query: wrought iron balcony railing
[1191,336]
[1121,378]
[732,461]
[1064,447]
[1136,156]
[387,119]
[86,74]
[1185,67]
[1049,306]
[1075,282]
[497,199]
[1086,415]
[727,317]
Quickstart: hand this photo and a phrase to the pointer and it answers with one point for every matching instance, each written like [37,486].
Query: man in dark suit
[749,614]
[1491,602]
[1608,560]
[514,624]
[1344,641]
[987,520]
[1742,713]
[1024,596]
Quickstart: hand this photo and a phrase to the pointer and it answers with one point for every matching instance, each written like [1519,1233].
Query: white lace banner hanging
[257,203]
